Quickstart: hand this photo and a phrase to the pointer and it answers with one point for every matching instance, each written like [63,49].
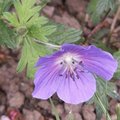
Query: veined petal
[78,91]
[99,62]
[46,83]
[74,48]
[49,59]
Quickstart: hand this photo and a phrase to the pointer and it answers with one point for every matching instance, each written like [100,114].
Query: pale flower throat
[70,64]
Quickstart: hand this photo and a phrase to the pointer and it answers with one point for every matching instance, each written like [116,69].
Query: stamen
[70,66]
[61,63]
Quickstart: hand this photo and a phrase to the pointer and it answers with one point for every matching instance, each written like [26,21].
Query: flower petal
[94,59]
[78,91]
[99,62]
[49,59]
[46,82]
[74,48]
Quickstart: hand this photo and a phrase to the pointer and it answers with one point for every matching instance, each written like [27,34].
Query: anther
[80,62]
[73,62]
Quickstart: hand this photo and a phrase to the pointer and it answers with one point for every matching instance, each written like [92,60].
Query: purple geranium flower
[70,72]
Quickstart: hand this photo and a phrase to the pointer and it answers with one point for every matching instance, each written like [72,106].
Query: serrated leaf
[4,5]
[41,32]
[104,5]
[108,88]
[11,17]
[37,20]
[104,89]
[92,11]
[30,54]
[65,35]
[98,8]
[24,57]
[25,10]
[7,36]
[27,21]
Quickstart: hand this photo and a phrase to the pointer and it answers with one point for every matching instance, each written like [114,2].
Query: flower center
[68,59]
[70,65]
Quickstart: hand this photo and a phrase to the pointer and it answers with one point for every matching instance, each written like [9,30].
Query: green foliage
[70,116]
[98,8]
[118,111]
[6,34]
[104,89]
[98,40]
[65,34]
[117,56]
[42,33]
[25,10]
[26,20]
[29,25]
[4,5]
[54,110]
[30,54]
[7,37]
[92,11]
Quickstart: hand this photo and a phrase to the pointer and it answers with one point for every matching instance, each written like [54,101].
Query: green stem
[54,110]
[118,111]
[70,116]
[103,107]
[106,94]
[48,44]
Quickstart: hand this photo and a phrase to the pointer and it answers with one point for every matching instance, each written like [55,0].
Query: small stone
[88,112]
[73,108]
[60,109]
[114,117]
[103,117]
[45,105]
[67,20]
[13,88]
[74,116]
[77,6]
[2,109]
[48,10]
[56,2]
[2,98]
[112,105]
[37,115]
[77,116]
[16,100]
[50,119]
[3,117]
[32,115]
[118,83]
[26,88]
[28,114]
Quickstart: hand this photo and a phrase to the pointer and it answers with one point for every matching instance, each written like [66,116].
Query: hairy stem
[54,110]
[47,44]
[103,107]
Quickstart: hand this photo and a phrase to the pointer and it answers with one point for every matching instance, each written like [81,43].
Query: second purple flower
[70,72]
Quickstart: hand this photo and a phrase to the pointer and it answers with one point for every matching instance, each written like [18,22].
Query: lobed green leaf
[98,8]
[7,36]
[31,51]
[65,35]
